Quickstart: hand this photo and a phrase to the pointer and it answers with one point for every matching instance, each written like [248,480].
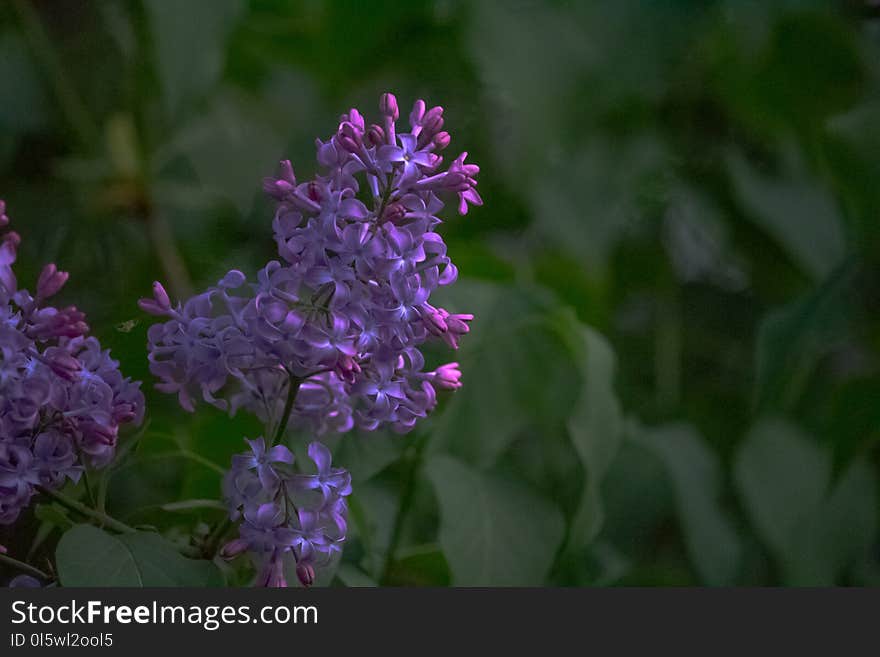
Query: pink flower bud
[306,574]
[388,106]
[376,135]
[433,120]
[62,363]
[233,548]
[441,140]
[415,117]
[287,172]
[160,304]
[51,281]
[447,377]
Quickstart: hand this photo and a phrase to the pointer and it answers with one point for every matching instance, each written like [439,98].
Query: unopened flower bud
[160,304]
[50,282]
[432,122]
[306,574]
[415,117]
[395,213]
[376,135]
[233,548]
[441,140]
[62,363]
[388,106]
[447,377]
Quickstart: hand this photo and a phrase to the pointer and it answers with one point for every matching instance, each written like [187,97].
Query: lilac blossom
[62,398]
[343,312]
[327,337]
[287,516]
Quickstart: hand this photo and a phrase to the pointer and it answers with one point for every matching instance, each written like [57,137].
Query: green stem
[385,197]
[84,510]
[25,567]
[414,464]
[292,390]
[212,544]
[91,496]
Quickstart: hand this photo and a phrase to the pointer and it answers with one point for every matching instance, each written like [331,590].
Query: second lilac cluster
[286,515]
[62,397]
[341,316]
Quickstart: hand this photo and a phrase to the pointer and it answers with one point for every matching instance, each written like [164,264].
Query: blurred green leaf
[595,430]
[813,531]
[494,532]
[421,565]
[841,531]
[88,556]
[24,106]
[190,39]
[795,210]
[518,338]
[230,146]
[697,479]
[365,455]
[792,338]
[353,577]
[782,477]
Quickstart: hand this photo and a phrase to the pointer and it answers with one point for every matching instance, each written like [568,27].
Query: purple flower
[261,460]
[349,298]
[62,398]
[336,324]
[299,515]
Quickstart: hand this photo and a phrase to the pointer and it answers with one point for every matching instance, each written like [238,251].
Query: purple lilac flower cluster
[286,514]
[62,398]
[327,338]
[343,313]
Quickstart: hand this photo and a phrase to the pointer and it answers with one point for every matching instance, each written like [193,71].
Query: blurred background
[674,374]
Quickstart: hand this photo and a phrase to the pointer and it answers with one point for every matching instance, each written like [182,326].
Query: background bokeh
[674,374]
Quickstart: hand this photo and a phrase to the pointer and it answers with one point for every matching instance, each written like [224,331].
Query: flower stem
[84,510]
[88,486]
[292,390]
[385,198]
[413,465]
[25,567]
[212,544]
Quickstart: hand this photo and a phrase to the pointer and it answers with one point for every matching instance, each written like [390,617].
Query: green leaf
[782,477]
[792,338]
[494,532]
[364,456]
[353,577]
[224,144]
[190,39]
[696,476]
[795,211]
[595,430]
[841,531]
[421,565]
[517,363]
[814,531]
[88,556]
